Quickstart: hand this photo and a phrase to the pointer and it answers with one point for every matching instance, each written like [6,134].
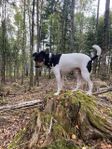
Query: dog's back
[73,60]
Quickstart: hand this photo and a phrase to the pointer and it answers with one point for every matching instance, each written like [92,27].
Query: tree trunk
[3,57]
[38,42]
[65,120]
[106,25]
[72,26]
[106,40]
[96,63]
[97,19]
[3,51]
[32,46]
[64,26]
[23,44]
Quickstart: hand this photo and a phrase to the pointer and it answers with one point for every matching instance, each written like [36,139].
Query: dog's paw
[75,89]
[57,93]
[89,93]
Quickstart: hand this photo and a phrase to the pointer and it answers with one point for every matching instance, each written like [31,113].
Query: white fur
[71,62]
[50,55]
[96,47]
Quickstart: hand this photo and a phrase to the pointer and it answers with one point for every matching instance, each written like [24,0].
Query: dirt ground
[12,121]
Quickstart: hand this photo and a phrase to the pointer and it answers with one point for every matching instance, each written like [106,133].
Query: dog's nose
[37,67]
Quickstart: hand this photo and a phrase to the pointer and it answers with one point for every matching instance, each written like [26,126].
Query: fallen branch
[103,91]
[19,105]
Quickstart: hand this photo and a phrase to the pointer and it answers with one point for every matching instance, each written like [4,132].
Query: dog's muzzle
[37,66]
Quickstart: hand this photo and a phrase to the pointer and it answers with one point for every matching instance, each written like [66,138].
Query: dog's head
[39,58]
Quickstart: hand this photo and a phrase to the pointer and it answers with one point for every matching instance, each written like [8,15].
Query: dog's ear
[47,50]
[34,54]
[42,53]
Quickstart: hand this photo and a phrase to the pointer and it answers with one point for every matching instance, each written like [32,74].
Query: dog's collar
[50,55]
[50,60]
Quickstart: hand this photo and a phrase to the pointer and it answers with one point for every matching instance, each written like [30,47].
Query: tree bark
[3,51]
[27,104]
[38,42]
[32,46]
[24,43]
[64,26]
[96,63]
[106,25]
[106,40]
[97,18]
[72,41]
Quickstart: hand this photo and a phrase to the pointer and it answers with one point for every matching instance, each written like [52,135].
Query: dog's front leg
[59,81]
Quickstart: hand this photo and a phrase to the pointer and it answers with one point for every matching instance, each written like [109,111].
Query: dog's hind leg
[86,77]
[79,78]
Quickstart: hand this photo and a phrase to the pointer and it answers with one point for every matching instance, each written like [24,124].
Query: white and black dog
[65,63]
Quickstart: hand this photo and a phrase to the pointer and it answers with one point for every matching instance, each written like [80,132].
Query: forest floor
[12,121]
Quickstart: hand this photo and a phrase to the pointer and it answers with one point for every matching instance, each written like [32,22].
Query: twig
[50,127]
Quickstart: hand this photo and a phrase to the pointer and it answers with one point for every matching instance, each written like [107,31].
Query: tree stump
[67,118]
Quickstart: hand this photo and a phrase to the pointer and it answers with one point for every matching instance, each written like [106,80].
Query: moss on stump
[65,119]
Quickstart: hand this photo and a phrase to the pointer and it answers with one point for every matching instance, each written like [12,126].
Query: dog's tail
[98,53]
[98,49]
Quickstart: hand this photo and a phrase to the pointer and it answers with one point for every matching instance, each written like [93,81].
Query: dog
[65,63]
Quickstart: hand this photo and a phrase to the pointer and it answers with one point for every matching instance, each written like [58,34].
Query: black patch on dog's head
[43,57]
[34,55]
[39,57]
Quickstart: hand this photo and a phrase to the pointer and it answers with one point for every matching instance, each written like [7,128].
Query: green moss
[62,144]
[87,102]
[59,131]
[110,113]
[14,144]
[46,118]
[89,107]
[2,101]
[98,122]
